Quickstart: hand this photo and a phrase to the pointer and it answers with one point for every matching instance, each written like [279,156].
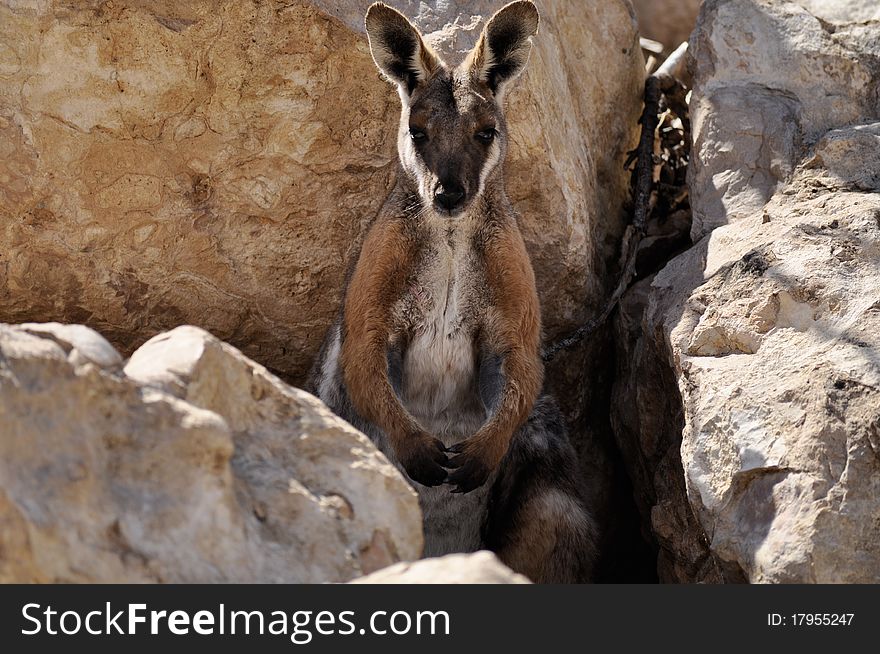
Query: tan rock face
[668,21]
[770,324]
[216,163]
[168,163]
[192,465]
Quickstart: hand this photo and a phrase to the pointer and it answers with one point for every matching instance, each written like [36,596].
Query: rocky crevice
[747,377]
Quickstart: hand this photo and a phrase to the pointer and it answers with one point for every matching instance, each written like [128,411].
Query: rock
[671,21]
[217,163]
[668,21]
[843,11]
[193,464]
[477,568]
[851,157]
[803,81]
[733,182]
[316,484]
[82,344]
[767,329]
[648,418]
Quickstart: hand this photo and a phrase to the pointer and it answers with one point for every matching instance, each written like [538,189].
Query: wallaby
[436,353]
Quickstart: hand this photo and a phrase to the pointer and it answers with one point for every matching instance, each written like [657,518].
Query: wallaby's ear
[398,49]
[504,46]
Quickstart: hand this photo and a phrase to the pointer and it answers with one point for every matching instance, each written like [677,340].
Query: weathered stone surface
[770,324]
[194,464]
[648,418]
[802,79]
[82,344]
[215,163]
[843,11]
[668,21]
[477,568]
[671,21]
[298,463]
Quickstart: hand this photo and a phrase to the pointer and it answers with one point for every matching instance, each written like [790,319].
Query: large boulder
[191,464]
[216,163]
[756,351]
[755,110]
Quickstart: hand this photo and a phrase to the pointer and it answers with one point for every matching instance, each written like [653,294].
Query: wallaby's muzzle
[449,197]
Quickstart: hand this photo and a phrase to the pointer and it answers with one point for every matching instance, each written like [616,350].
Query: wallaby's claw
[425,461]
[469,473]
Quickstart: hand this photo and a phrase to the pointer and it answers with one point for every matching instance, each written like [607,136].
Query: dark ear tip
[378,6]
[375,14]
[525,12]
[379,11]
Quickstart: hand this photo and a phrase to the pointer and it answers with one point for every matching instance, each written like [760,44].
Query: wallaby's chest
[440,314]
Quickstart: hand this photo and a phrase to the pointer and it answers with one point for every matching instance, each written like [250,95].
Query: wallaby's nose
[449,197]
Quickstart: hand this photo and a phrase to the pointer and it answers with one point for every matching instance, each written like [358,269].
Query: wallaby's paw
[469,468]
[424,460]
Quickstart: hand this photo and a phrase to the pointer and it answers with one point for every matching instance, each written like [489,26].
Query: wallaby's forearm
[375,285]
[521,383]
[365,370]
[378,282]
[512,329]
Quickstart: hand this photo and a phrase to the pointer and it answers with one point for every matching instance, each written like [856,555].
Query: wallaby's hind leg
[536,520]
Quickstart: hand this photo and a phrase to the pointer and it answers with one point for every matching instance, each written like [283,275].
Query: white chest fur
[440,361]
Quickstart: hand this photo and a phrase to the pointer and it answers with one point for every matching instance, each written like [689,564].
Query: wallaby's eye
[487,135]
[417,134]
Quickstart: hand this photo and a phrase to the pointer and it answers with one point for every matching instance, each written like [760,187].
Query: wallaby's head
[453,135]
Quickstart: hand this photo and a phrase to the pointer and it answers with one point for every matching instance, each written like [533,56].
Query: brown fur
[376,284]
[513,329]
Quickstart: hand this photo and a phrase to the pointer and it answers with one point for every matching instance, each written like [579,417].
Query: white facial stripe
[408,158]
[489,165]
[326,385]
